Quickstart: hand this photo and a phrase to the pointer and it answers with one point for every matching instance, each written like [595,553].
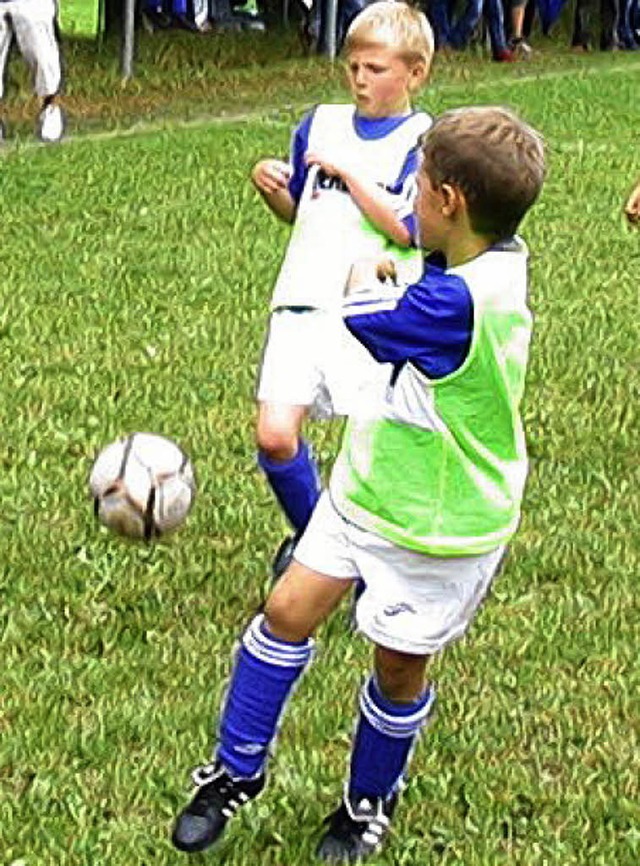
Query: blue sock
[265,672]
[296,484]
[384,739]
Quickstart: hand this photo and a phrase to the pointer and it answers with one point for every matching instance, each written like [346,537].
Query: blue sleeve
[411,222]
[406,187]
[408,170]
[299,147]
[430,325]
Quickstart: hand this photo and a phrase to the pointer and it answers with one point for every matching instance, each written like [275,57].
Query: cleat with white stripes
[218,798]
[356,829]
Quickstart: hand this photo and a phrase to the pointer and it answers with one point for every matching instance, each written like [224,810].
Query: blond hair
[494,158]
[396,25]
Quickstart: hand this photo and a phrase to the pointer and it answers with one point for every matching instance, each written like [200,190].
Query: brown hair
[396,25]
[494,158]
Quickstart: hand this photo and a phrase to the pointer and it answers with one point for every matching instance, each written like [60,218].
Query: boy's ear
[453,199]
[418,76]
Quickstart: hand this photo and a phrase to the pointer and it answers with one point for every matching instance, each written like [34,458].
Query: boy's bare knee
[278,446]
[278,442]
[278,430]
[400,676]
[283,619]
[300,601]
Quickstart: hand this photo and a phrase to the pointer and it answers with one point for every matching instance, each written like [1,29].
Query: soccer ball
[142,485]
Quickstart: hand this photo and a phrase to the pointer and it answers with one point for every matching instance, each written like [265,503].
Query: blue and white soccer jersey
[309,359]
[33,23]
[413,602]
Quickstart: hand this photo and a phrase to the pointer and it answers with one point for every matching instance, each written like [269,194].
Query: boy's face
[430,211]
[381,81]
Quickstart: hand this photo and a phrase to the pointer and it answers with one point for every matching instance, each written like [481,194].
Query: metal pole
[128,38]
[331,24]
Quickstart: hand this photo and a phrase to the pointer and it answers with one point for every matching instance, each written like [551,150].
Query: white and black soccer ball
[142,485]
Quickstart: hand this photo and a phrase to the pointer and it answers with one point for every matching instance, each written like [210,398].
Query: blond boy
[348,191]
[425,493]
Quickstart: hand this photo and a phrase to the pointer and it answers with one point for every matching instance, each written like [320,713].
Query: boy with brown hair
[348,190]
[424,495]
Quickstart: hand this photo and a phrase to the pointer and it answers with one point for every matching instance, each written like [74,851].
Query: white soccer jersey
[330,232]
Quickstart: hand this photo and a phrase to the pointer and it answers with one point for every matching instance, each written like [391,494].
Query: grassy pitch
[136,273]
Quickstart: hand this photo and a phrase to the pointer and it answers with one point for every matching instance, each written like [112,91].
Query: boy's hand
[328,166]
[271,175]
[367,273]
[386,270]
[632,207]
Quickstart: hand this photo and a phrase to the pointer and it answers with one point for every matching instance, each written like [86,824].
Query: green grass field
[136,272]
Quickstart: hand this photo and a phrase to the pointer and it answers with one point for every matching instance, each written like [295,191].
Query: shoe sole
[194,849]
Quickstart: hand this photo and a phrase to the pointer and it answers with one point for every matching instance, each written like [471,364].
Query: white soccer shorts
[311,359]
[32,21]
[412,603]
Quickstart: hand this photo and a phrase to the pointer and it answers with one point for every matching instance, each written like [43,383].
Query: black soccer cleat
[218,798]
[284,556]
[356,829]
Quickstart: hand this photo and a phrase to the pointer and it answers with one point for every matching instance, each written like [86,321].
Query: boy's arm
[271,178]
[430,325]
[374,202]
[281,183]
[632,207]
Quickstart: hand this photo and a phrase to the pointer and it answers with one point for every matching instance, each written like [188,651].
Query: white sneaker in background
[51,123]
[521,48]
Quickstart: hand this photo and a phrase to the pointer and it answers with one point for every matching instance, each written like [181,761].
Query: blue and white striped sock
[266,669]
[383,741]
